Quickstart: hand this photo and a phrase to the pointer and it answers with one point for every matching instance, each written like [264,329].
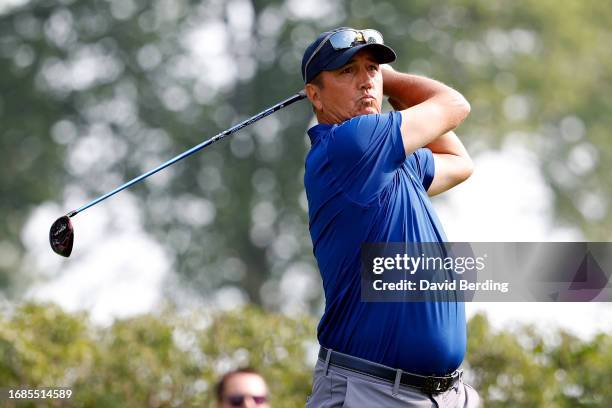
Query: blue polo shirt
[361,187]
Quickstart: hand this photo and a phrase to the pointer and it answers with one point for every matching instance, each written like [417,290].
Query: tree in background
[96,92]
[153,361]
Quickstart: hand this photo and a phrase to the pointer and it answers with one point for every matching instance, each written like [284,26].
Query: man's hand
[387,70]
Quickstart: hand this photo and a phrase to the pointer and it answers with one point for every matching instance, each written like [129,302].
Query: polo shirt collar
[317,131]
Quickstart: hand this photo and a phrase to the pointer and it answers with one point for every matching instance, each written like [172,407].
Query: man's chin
[368,110]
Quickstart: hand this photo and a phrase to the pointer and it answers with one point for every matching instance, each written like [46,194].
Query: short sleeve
[422,163]
[365,151]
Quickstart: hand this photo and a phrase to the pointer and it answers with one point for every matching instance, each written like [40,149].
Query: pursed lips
[367,98]
[367,103]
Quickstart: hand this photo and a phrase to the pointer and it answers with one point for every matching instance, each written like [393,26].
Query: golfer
[368,177]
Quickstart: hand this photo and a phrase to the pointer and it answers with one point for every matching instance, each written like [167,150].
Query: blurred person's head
[243,388]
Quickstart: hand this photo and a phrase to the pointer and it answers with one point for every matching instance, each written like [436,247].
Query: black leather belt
[427,384]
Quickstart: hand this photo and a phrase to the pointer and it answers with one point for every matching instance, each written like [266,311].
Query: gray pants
[336,387]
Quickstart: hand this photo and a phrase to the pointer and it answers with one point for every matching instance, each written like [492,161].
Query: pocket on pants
[327,391]
[320,387]
[362,393]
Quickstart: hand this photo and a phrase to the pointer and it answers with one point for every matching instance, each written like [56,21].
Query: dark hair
[220,387]
[317,80]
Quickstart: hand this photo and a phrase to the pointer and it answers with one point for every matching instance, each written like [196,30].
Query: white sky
[6,5]
[115,270]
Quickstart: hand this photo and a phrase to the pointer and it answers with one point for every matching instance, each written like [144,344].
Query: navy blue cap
[328,59]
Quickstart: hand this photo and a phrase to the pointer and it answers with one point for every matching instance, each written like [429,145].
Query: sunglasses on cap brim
[341,40]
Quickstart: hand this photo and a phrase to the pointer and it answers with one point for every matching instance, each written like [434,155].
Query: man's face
[352,90]
[243,390]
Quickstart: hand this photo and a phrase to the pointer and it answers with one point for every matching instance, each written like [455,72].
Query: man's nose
[249,403]
[365,79]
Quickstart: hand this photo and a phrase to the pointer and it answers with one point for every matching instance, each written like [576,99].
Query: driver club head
[61,236]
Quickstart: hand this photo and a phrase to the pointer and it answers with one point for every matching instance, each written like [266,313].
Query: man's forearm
[406,90]
[448,143]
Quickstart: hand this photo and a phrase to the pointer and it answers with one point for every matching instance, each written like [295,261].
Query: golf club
[61,234]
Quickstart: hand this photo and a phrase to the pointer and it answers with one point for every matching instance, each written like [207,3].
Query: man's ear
[314,96]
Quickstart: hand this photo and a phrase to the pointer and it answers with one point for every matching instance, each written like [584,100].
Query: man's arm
[452,163]
[430,110]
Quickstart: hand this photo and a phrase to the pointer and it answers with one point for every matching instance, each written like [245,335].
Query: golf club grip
[294,98]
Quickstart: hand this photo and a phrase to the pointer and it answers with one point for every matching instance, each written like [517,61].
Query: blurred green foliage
[153,361]
[524,368]
[175,358]
[95,92]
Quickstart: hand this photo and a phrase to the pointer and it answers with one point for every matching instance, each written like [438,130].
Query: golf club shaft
[298,96]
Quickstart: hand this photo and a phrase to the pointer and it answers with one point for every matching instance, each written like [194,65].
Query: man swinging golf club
[368,177]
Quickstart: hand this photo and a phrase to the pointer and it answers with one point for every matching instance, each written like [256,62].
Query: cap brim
[381,53]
